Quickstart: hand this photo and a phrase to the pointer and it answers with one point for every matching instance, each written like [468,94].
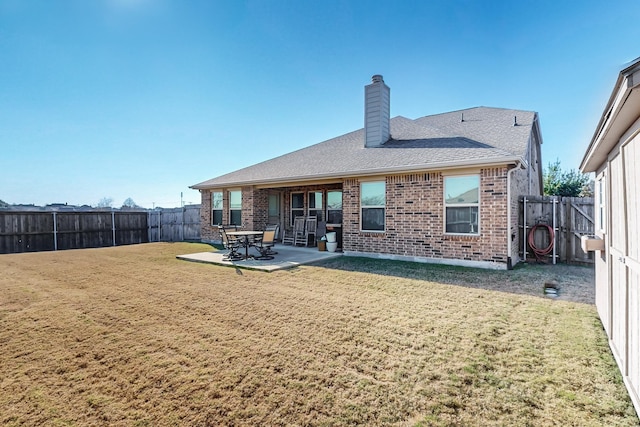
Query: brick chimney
[376,112]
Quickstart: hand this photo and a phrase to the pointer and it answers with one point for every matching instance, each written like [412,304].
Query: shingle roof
[486,136]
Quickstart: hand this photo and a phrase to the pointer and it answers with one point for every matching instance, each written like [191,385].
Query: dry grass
[132,336]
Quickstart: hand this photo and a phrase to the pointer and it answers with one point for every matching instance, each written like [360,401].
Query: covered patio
[256,207]
[287,257]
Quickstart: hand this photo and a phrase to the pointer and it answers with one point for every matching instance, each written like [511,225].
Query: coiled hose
[541,252]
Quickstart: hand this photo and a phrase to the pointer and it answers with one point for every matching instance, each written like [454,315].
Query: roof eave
[339,176]
[618,115]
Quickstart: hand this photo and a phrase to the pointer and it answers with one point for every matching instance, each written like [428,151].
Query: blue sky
[143,98]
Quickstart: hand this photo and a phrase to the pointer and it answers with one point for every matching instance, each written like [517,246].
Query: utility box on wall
[590,243]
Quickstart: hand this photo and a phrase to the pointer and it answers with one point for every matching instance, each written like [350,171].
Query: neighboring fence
[34,231]
[568,217]
[175,225]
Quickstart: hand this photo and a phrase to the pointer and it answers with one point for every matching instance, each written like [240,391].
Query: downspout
[529,162]
[509,242]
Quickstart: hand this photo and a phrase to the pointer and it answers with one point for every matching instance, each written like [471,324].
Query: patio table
[245,234]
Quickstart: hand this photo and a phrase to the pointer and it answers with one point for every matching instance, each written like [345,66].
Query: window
[334,207]
[600,194]
[297,205]
[235,207]
[461,201]
[216,208]
[315,204]
[372,204]
[274,205]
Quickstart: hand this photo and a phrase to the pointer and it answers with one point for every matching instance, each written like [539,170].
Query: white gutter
[456,164]
[509,244]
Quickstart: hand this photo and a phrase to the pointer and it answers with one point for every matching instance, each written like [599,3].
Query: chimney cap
[377,78]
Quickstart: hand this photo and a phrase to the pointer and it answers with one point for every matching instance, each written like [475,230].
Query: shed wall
[618,266]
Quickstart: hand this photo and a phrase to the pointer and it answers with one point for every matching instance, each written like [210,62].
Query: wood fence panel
[581,222]
[171,225]
[569,217]
[177,224]
[131,227]
[77,230]
[154,225]
[191,223]
[28,231]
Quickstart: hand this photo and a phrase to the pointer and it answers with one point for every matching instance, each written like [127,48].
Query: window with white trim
[372,205]
[462,204]
[297,205]
[235,207]
[216,207]
[600,200]
[315,204]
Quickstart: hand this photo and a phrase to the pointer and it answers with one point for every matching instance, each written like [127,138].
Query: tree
[567,184]
[105,202]
[3,204]
[130,204]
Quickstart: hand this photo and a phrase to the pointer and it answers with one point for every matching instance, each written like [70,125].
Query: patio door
[274,215]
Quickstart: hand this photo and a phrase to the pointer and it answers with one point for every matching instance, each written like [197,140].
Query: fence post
[113,226]
[182,226]
[555,230]
[568,239]
[524,228]
[55,232]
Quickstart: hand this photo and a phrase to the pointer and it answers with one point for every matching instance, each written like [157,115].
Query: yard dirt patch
[132,336]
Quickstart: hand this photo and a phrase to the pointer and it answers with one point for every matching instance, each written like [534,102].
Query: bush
[567,184]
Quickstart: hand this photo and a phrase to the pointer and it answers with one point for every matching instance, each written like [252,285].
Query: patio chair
[265,245]
[299,236]
[231,245]
[274,227]
[276,230]
[311,224]
[287,237]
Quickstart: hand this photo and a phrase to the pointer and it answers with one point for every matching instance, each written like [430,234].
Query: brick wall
[256,205]
[414,216]
[255,208]
[415,219]
[206,231]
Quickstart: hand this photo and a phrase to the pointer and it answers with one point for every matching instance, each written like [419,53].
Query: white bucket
[332,246]
[331,236]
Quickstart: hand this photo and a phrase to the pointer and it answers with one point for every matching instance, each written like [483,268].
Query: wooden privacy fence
[175,225]
[34,231]
[568,217]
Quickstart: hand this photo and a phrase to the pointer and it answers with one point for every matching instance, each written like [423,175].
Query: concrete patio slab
[287,257]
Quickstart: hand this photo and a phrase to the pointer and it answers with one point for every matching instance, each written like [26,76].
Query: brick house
[442,188]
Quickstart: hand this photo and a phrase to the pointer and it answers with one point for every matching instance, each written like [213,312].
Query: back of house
[442,188]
